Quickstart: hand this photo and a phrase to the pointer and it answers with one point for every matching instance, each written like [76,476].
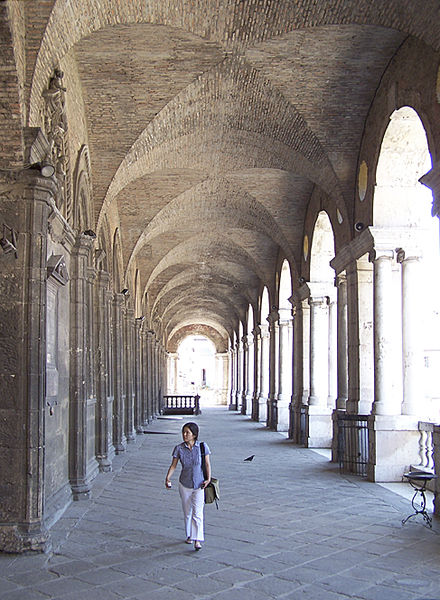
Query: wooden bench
[181,405]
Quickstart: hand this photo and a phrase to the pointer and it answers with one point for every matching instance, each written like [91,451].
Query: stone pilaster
[149,373]
[104,445]
[80,471]
[137,367]
[119,440]
[128,325]
[26,209]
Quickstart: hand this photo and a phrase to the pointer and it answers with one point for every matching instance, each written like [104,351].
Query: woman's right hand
[167,484]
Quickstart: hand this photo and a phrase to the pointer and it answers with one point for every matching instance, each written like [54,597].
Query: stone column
[80,428]
[319,420]
[256,374]
[361,338]
[144,375]
[245,374]
[119,440]
[232,367]
[342,353]
[285,369]
[128,320]
[104,445]
[138,409]
[149,373]
[318,351]
[301,365]
[412,337]
[332,351]
[239,374]
[250,363]
[264,374]
[385,400]
[274,346]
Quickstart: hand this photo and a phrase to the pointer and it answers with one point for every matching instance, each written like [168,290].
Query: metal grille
[353,444]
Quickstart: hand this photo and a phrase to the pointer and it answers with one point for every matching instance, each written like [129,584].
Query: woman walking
[192,481]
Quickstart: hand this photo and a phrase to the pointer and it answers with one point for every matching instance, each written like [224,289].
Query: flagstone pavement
[289,526]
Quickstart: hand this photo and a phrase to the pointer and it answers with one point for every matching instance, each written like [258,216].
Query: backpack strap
[202,452]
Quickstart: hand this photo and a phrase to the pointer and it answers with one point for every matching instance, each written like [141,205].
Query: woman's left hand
[205,483]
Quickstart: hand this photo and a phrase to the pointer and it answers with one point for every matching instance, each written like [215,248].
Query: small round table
[418,481]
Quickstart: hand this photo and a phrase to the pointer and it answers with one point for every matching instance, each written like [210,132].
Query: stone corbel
[57,270]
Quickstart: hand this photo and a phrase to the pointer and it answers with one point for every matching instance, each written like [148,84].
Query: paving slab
[289,526]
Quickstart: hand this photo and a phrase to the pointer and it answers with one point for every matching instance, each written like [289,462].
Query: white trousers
[193,503]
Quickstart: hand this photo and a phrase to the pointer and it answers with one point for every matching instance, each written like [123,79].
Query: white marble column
[301,362]
[412,337]
[257,368]
[342,353]
[245,373]
[332,351]
[285,368]
[264,374]
[250,369]
[318,351]
[319,424]
[274,360]
[362,387]
[385,401]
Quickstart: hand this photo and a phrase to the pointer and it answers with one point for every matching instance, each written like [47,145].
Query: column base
[16,539]
[283,411]
[262,409]
[319,427]
[393,446]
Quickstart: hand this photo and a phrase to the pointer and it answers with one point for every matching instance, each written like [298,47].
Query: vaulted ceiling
[210,125]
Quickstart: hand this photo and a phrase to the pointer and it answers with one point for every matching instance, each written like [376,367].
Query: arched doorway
[323,335]
[196,369]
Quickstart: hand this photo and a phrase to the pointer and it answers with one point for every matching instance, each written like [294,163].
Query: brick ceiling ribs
[211,123]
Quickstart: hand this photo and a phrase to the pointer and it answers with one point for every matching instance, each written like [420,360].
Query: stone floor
[289,526]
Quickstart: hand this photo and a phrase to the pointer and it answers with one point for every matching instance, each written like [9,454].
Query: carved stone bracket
[57,270]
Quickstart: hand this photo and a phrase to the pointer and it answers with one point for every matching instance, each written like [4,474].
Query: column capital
[273,317]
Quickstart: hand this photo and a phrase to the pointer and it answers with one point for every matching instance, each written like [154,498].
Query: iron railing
[353,444]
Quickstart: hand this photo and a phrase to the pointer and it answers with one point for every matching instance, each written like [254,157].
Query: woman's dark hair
[193,427]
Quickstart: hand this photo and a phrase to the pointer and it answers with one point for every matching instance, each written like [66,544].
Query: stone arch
[285,286]
[402,207]
[117,269]
[82,213]
[322,250]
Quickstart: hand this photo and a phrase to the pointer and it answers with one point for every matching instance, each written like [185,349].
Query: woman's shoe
[188,540]
[197,546]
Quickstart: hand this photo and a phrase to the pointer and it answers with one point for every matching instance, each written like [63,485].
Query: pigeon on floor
[249,458]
